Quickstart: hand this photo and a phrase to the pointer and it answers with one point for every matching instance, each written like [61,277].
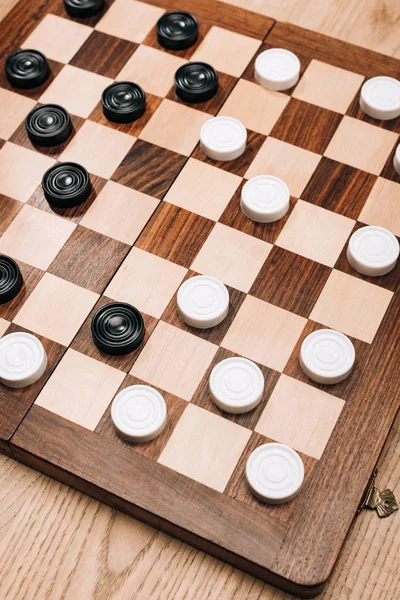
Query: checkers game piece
[277,69]
[27,69]
[177,30]
[396,160]
[82,9]
[48,125]
[196,82]
[275,473]
[203,301]
[118,328]
[265,198]
[23,359]
[123,102]
[139,413]
[327,356]
[380,98]
[10,279]
[236,385]
[66,185]
[223,138]
[373,251]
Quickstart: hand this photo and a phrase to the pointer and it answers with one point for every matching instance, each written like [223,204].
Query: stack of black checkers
[10,279]
[48,125]
[66,185]
[82,9]
[123,102]
[27,69]
[118,328]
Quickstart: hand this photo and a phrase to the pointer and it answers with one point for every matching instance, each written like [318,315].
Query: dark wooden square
[74,214]
[306,125]
[134,128]
[89,259]
[290,281]
[21,138]
[103,54]
[149,169]
[346,389]
[153,448]
[226,83]
[250,419]
[240,165]
[388,171]
[83,341]
[31,277]
[339,188]
[235,217]
[175,234]
[213,334]
[239,489]
[15,402]
[9,208]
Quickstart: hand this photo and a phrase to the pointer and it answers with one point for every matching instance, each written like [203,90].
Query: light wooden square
[129,20]
[232,256]
[175,127]
[315,232]
[264,333]
[98,148]
[80,389]
[361,145]
[146,281]
[152,69]
[119,212]
[14,109]
[203,189]
[21,171]
[58,38]
[328,86]
[76,90]
[56,309]
[174,360]
[226,51]
[35,237]
[301,416]
[205,447]
[352,306]
[292,164]
[383,206]
[257,108]
[4,325]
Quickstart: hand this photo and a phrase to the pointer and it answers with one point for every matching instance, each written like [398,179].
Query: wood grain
[103,54]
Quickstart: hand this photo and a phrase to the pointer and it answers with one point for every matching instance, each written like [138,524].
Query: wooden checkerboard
[160,212]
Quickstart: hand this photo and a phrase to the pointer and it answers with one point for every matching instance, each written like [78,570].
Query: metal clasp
[384,502]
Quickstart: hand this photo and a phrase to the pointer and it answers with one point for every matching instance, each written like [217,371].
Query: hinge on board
[383,502]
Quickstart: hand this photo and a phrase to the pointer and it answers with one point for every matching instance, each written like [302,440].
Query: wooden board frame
[297,556]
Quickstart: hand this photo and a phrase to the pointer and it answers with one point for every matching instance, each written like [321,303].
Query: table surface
[57,543]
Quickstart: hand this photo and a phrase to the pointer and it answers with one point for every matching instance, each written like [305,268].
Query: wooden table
[56,543]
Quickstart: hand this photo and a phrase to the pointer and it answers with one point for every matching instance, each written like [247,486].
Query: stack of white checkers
[23,360]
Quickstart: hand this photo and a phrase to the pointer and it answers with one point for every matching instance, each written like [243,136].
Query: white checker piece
[265,198]
[277,69]
[223,138]
[236,385]
[380,98]
[373,250]
[327,356]
[203,301]
[23,359]
[139,413]
[275,473]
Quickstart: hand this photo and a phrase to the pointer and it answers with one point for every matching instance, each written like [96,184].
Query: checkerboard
[160,213]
